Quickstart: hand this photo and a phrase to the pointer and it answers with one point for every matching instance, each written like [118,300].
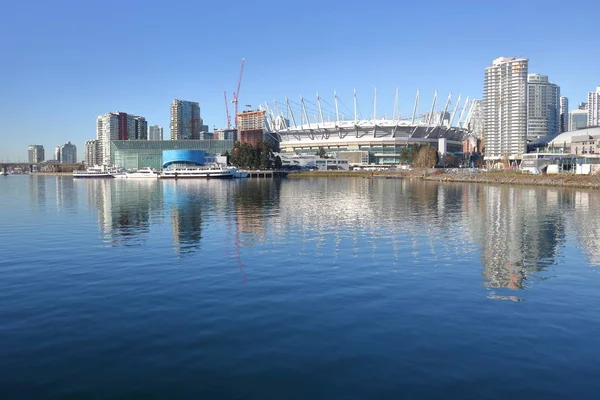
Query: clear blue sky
[66,62]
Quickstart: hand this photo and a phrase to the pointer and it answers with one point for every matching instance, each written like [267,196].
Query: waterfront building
[578,119]
[136,154]
[252,127]
[141,128]
[225,134]
[505,108]
[66,153]
[543,107]
[155,132]
[117,126]
[564,114]
[91,156]
[35,153]
[379,140]
[593,108]
[186,123]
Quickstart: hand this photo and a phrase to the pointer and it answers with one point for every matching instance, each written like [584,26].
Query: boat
[207,172]
[93,172]
[143,173]
[118,172]
[241,174]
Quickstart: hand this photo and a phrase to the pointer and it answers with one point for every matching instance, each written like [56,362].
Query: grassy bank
[366,174]
[517,178]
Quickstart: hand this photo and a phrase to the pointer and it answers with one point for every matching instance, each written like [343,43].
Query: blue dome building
[183,158]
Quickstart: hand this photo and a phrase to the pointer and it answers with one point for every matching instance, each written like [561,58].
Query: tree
[277,164]
[450,161]
[265,155]
[408,154]
[321,153]
[427,157]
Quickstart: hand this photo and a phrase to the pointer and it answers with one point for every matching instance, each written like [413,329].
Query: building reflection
[66,194]
[586,224]
[37,191]
[255,202]
[516,233]
[124,207]
[518,229]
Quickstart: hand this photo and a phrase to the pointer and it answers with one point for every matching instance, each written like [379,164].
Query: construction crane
[236,94]
[227,110]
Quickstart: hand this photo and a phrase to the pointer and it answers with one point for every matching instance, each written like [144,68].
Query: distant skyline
[69,62]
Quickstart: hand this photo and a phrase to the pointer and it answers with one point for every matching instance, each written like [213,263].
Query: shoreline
[494,178]
[518,178]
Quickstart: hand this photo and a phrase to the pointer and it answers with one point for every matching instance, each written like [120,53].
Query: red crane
[227,111]
[236,94]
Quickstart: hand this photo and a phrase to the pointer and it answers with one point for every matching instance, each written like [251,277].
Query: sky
[66,62]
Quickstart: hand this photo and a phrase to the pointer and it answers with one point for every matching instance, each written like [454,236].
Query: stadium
[373,140]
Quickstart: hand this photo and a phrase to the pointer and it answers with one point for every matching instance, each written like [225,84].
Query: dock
[266,173]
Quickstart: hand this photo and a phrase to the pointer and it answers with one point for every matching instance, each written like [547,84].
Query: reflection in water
[37,191]
[518,231]
[124,207]
[186,200]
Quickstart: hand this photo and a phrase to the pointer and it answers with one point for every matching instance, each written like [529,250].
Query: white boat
[118,172]
[93,172]
[241,174]
[143,173]
[207,172]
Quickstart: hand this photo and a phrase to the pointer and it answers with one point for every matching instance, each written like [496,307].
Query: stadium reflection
[516,233]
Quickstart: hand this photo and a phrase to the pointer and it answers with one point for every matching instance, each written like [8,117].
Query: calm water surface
[311,288]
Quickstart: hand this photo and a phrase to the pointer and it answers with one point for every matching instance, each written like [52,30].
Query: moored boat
[93,172]
[143,173]
[207,172]
[241,174]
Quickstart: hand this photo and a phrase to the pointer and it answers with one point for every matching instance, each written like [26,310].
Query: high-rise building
[251,127]
[66,153]
[505,108]
[564,114]
[141,128]
[117,126]
[593,107]
[543,107]
[582,106]
[92,153]
[185,120]
[35,153]
[578,119]
[155,132]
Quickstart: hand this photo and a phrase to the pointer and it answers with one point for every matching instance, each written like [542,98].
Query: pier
[266,173]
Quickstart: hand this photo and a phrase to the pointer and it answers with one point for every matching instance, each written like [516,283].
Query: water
[311,288]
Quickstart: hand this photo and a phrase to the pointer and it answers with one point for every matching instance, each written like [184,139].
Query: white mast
[355,114]
[395,106]
[415,108]
[304,111]
[291,112]
[375,105]
[320,110]
[463,111]
[454,112]
[441,121]
[432,108]
[337,115]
